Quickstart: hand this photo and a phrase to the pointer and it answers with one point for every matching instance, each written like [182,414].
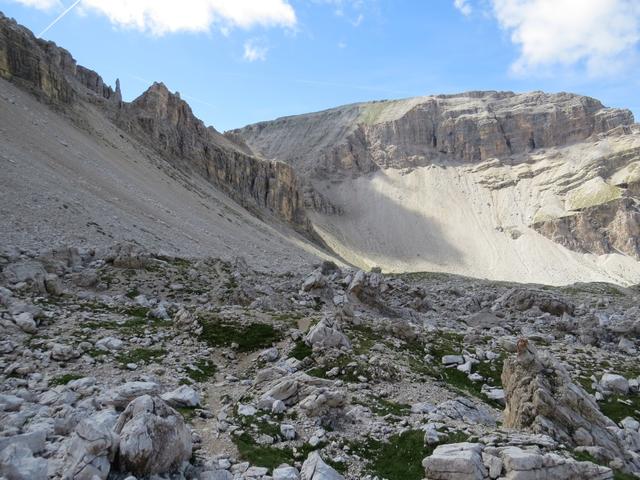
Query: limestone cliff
[468,127]
[166,123]
[158,119]
[48,71]
[474,183]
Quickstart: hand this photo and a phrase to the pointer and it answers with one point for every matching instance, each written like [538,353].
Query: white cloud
[254,51]
[160,17]
[463,6]
[551,33]
[40,4]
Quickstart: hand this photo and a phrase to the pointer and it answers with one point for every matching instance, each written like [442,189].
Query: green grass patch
[264,456]
[141,355]
[64,379]
[290,318]
[203,370]
[618,407]
[176,262]
[136,324]
[188,413]
[254,336]
[133,293]
[364,337]
[587,457]
[350,369]
[382,407]
[401,457]
[301,350]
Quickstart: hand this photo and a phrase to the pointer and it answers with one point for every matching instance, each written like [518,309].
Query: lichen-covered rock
[326,335]
[461,461]
[541,397]
[91,451]
[18,463]
[153,437]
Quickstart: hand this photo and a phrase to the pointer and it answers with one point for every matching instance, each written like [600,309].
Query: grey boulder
[153,437]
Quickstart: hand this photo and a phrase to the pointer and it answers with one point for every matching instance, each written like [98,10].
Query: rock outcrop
[314,468]
[475,461]
[47,70]
[165,122]
[541,397]
[375,167]
[153,437]
[599,229]
[468,127]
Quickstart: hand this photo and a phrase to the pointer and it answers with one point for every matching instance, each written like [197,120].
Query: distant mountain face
[489,184]
[527,187]
[158,118]
[469,127]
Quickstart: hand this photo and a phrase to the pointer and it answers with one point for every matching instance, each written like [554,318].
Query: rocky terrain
[126,363]
[83,117]
[179,304]
[536,179]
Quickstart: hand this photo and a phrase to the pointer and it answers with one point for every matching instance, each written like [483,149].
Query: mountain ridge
[467,180]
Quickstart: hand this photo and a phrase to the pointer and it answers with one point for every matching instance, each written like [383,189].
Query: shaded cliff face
[48,71]
[159,119]
[469,127]
[166,123]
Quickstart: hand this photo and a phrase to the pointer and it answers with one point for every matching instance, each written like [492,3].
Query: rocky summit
[435,288]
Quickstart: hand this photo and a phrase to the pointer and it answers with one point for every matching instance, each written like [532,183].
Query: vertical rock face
[541,397]
[561,165]
[600,229]
[159,119]
[468,127]
[46,69]
[165,122]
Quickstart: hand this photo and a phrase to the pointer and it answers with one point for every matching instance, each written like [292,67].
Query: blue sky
[242,61]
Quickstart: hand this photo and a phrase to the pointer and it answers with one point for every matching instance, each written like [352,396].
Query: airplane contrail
[60,17]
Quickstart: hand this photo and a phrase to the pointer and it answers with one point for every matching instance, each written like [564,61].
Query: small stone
[452,359]
[615,383]
[26,322]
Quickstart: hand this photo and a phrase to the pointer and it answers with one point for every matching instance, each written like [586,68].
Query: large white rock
[314,281]
[615,383]
[109,344]
[314,468]
[18,463]
[125,393]
[460,461]
[324,334]
[26,322]
[286,473]
[35,441]
[91,451]
[153,437]
[10,403]
[183,396]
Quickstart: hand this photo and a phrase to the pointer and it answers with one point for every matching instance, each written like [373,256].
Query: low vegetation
[251,337]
